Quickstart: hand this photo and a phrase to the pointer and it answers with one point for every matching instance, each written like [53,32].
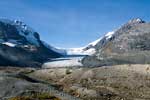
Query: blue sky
[74,23]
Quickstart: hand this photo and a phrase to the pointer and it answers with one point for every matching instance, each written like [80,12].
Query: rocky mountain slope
[20,45]
[129,44]
[119,82]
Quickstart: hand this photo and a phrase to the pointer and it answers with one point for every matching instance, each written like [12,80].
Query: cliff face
[130,44]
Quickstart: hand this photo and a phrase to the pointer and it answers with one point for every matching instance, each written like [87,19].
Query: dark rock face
[128,45]
[21,46]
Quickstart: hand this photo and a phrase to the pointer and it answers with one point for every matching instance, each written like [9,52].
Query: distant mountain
[20,45]
[130,44]
[91,47]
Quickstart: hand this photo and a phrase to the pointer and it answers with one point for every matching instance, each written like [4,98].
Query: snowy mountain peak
[27,32]
[23,25]
[24,30]
[20,23]
[17,23]
[136,20]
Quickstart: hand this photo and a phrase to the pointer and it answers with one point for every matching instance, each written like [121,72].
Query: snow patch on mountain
[9,44]
[80,51]
[136,20]
[109,35]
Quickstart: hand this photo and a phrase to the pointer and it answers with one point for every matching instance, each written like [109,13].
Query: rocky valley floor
[121,82]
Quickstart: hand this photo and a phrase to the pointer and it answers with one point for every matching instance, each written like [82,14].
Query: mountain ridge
[128,44]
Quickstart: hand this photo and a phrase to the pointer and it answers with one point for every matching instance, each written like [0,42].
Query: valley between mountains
[114,67]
